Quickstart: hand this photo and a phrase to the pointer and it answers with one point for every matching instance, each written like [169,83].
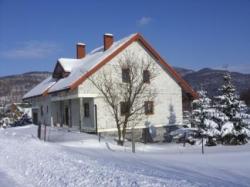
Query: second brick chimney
[80,50]
[108,40]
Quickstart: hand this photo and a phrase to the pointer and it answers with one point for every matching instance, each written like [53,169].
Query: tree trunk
[123,134]
[119,142]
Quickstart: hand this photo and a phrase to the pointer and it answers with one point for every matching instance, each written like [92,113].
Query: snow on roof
[80,43]
[79,67]
[108,34]
[68,63]
[40,88]
[76,67]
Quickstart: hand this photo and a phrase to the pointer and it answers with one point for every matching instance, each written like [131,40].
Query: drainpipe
[95,108]
[81,113]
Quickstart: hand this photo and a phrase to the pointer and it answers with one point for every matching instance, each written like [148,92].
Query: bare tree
[126,88]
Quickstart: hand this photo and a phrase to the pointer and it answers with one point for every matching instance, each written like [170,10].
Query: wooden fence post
[133,140]
[45,129]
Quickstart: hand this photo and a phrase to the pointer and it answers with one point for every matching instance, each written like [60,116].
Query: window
[124,108]
[86,109]
[149,107]
[125,75]
[47,109]
[59,72]
[146,76]
[41,110]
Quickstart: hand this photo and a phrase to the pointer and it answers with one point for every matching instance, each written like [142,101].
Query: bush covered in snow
[23,120]
[16,114]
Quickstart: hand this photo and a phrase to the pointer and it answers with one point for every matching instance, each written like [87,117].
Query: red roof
[184,85]
[72,82]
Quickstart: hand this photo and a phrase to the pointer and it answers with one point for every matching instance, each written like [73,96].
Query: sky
[187,33]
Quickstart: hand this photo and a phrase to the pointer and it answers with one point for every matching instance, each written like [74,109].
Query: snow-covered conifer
[233,129]
[202,117]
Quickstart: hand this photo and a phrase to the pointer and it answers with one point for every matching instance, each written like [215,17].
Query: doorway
[35,118]
[66,114]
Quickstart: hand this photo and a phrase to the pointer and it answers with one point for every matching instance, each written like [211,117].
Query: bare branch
[133,92]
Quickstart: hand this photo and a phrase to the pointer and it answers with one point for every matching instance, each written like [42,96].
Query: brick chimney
[80,50]
[107,40]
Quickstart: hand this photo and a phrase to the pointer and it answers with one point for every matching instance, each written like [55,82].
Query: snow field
[78,159]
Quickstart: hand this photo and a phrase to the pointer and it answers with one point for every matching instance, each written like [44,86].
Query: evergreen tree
[199,113]
[202,118]
[233,128]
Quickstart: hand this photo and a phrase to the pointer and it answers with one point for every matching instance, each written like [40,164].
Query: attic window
[59,72]
[146,76]
[125,75]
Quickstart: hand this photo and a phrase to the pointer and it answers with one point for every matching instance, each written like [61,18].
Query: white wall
[168,93]
[45,102]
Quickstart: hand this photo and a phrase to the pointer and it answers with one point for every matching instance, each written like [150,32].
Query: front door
[66,114]
[35,118]
[88,115]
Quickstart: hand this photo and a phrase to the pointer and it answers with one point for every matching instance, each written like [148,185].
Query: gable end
[184,85]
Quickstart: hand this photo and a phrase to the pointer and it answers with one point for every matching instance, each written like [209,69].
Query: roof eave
[137,37]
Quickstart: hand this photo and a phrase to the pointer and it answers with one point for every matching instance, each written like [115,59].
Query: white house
[68,98]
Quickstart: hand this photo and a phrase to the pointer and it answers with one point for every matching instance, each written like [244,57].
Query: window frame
[149,107]
[146,76]
[125,75]
[124,108]
[41,110]
[86,108]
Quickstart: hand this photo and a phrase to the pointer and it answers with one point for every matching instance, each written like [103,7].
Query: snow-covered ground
[79,159]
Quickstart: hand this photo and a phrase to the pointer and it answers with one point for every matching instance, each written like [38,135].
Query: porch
[74,113]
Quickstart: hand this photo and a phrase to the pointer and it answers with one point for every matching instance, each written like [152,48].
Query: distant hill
[183,71]
[212,79]
[12,88]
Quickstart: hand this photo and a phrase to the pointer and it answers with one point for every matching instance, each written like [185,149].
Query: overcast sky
[189,34]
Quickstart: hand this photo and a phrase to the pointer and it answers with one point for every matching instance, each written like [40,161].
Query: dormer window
[59,72]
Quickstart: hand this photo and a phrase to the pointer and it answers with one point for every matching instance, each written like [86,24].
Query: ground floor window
[41,110]
[86,109]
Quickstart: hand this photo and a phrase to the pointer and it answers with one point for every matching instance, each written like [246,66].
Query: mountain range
[212,79]
[13,87]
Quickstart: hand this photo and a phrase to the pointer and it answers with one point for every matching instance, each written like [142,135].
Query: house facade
[68,97]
